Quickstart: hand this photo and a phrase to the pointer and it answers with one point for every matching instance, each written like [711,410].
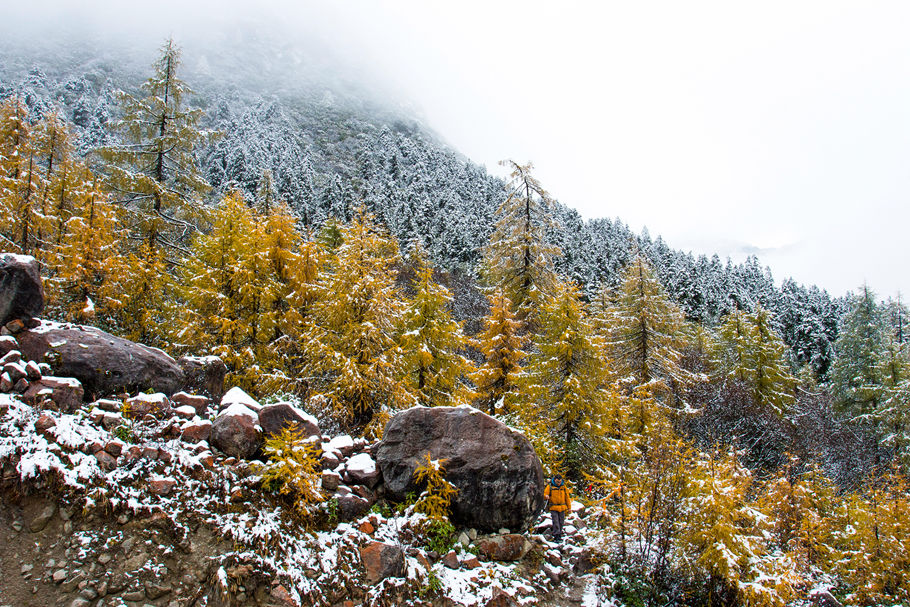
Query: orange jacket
[557,497]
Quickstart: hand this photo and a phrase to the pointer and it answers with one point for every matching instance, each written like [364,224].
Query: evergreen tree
[645,334]
[518,259]
[432,342]
[858,376]
[354,358]
[153,171]
[564,379]
[497,380]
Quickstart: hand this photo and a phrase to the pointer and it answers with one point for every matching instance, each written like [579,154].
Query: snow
[237,396]
[362,462]
[339,443]
[23,259]
[240,409]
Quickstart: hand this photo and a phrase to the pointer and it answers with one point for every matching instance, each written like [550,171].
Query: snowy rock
[106,460]
[275,418]
[13,356]
[362,470]
[195,432]
[21,293]
[236,432]
[32,371]
[157,404]
[44,423]
[381,561]
[185,411]
[822,598]
[8,344]
[15,370]
[67,392]
[203,374]
[199,403]
[450,560]
[510,547]
[162,486]
[330,480]
[105,364]
[501,598]
[499,477]
[6,383]
[343,444]
[236,396]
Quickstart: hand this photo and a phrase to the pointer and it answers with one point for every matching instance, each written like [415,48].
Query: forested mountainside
[328,148]
[330,254]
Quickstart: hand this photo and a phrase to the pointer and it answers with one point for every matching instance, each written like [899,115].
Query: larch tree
[353,355]
[564,379]
[432,342]
[750,352]
[645,334]
[496,381]
[518,258]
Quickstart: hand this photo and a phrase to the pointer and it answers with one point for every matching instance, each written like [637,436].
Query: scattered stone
[199,403]
[44,423]
[80,602]
[330,480]
[40,521]
[157,405]
[203,374]
[105,558]
[351,507]
[114,447]
[134,597]
[464,539]
[164,455]
[451,561]
[8,343]
[67,392]
[510,547]
[362,470]
[236,432]
[26,568]
[185,411]
[586,562]
[15,370]
[109,405]
[367,527]
[472,562]
[21,293]
[275,418]
[498,476]
[553,573]
[161,486]
[194,432]
[32,371]
[59,576]
[381,561]
[6,383]
[12,356]
[21,386]
[501,598]
[343,444]
[155,591]
[107,461]
[149,452]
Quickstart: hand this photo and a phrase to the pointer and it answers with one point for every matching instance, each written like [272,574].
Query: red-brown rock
[203,374]
[381,561]
[162,486]
[450,560]
[21,293]
[501,598]
[509,547]
[199,403]
[235,432]
[44,423]
[65,391]
[275,418]
[106,460]
[195,432]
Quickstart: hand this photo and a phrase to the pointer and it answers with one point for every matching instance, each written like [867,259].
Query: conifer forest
[735,440]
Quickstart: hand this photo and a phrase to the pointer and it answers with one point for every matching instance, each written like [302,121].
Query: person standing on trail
[558,502]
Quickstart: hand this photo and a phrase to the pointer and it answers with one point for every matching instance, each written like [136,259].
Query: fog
[779,129]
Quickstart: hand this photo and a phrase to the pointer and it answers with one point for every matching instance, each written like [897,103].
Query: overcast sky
[775,128]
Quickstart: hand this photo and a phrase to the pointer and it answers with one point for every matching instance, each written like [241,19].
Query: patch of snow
[237,396]
[240,409]
[362,462]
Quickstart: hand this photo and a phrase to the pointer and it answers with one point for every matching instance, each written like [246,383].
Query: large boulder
[105,364]
[21,293]
[236,431]
[276,417]
[499,477]
[203,375]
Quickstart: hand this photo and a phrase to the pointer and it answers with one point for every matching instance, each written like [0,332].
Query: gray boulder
[499,477]
[21,293]
[105,364]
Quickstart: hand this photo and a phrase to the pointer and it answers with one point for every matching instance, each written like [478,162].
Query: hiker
[558,502]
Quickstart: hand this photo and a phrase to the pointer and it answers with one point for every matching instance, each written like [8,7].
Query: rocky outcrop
[105,364]
[499,477]
[275,418]
[21,293]
[65,392]
[236,432]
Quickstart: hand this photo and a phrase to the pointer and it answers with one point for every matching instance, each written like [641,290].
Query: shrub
[293,469]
